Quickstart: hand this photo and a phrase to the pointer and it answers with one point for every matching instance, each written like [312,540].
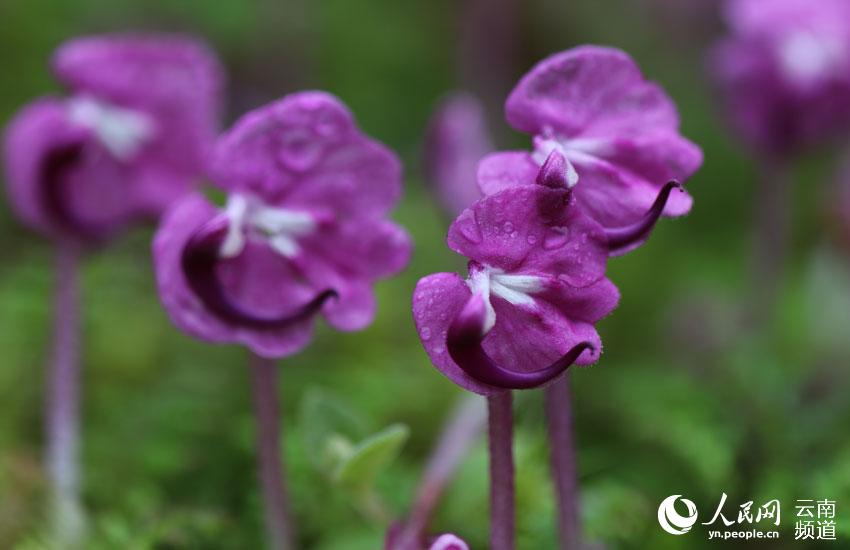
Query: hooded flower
[457,139]
[535,288]
[303,230]
[784,71]
[618,133]
[131,136]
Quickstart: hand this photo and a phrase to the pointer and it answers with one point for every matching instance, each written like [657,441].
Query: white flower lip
[515,289]
[122,131]
[280,227]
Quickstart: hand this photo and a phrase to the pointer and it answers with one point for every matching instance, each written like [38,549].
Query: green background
[684,401]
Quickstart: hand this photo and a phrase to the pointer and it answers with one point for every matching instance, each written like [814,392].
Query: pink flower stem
[62,422]
[502,514]
[271,466]
[462,430]
[559,420]
[772,230]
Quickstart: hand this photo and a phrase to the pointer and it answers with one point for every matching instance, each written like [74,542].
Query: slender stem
[502,515]
[460,433]
[559,420]
[62,405]
[271,466]
[772,230]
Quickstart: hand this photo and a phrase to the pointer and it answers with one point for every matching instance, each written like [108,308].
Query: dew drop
[556,237]
[426,333]
[532,239]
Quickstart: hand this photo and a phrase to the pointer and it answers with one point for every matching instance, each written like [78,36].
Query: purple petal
[625,239]
[589,90]
[617,198]
[464,344]
[457,139]
[533,229]
[499,171]
[306,151]
[258,281]
[200,261]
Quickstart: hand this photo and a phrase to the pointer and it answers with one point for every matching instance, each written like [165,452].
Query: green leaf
[328,425]
[366,460]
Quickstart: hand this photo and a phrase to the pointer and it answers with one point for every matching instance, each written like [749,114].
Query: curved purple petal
[464,344]
[625,239]
[258,281]
[524,339]
[200,259]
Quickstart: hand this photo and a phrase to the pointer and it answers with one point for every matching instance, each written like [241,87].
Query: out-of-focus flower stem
[559,419]
[281,533]
[502,514]
[772,219]
[62,404]
[465,424]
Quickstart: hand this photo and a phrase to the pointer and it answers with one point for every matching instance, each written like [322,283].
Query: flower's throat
[123,132]
[279,227]
[514,289]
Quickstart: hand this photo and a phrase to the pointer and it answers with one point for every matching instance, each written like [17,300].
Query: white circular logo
[671,521]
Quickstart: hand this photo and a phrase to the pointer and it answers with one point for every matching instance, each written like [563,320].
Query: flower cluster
[132,136]
[607,157]
[785,71]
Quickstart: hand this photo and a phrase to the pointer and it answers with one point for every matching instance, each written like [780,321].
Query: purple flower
[536,286]
[617,132]
[448,542]
[303,230]
[784,71]
[457,139]
[131,136]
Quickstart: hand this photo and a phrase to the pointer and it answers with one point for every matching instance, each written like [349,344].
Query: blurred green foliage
[683,401]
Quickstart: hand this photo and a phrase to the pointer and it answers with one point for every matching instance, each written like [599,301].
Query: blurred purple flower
[618,133]
[457,140]
[536,287]
[132,136]
[446,541]
[784,71]
[303,230]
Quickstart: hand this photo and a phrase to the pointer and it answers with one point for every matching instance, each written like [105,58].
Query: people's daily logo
[671,520]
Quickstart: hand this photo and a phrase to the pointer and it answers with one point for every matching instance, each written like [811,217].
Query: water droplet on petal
[508,227]
[299,150]
[532,239]
[426,333]
[556,237]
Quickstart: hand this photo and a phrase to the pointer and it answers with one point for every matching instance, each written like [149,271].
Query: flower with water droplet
[131,138]
[784,72]
[298,236]
[527,310]
[617,133]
